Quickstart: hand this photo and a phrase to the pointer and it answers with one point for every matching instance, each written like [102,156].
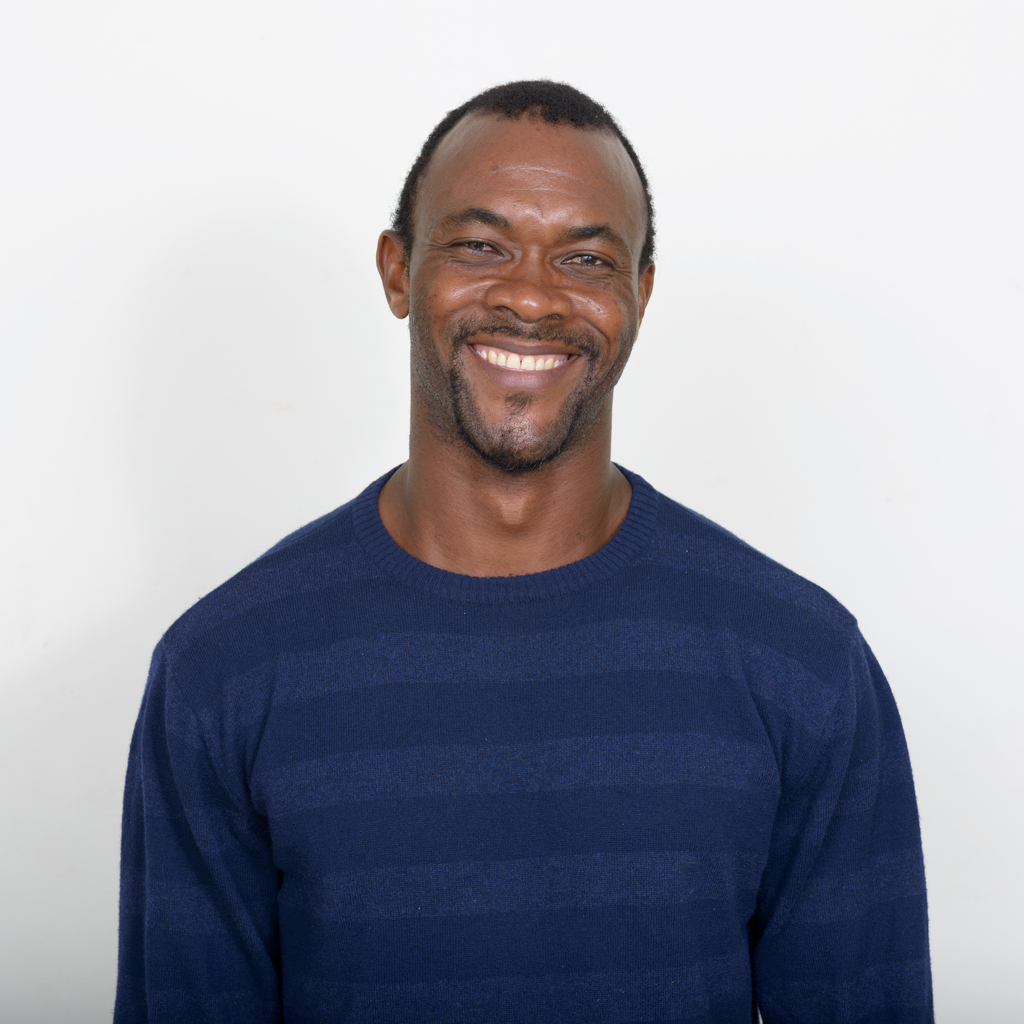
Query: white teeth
[516,362]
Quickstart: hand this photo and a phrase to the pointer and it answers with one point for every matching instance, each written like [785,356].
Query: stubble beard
[512,446]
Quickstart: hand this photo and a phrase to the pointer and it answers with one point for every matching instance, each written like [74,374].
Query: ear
[646,286]
[394,272]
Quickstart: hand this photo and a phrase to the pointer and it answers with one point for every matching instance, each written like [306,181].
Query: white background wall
[196,359]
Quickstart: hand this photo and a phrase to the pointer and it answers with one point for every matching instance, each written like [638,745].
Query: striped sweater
[667,782]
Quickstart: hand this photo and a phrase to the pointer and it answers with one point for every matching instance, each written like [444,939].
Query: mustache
[582,342]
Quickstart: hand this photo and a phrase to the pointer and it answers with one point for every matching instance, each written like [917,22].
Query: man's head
[521,253]
[555,103]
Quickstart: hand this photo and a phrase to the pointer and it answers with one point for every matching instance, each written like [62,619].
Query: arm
[198,922]
[841,933]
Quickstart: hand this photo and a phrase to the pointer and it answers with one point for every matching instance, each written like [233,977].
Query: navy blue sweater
[667,782]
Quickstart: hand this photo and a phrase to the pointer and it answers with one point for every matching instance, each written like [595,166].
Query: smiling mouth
[514,361]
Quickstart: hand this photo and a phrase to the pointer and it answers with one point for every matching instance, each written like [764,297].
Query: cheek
[444,292]
[612,310]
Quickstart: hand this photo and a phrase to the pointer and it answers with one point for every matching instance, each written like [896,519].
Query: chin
[510,442]
[513,463]
[513,454]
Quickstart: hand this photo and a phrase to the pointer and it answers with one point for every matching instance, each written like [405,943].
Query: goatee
[513,446]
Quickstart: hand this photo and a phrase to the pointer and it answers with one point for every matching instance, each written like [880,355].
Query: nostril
[530,302]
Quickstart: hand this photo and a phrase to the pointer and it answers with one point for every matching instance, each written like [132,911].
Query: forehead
[530,167]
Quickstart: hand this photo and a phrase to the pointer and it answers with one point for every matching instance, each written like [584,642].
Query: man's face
[524,288]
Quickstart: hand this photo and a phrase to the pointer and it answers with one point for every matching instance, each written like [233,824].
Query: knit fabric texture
[666,782]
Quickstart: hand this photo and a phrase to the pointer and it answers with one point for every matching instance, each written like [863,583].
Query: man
[511,736]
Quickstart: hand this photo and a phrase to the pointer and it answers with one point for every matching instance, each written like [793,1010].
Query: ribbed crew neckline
[621,551]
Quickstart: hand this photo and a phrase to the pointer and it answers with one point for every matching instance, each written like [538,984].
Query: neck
[450,509]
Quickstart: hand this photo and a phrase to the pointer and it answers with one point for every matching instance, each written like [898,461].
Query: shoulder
[798,650]
[732,571]
[794,643]
[273,605]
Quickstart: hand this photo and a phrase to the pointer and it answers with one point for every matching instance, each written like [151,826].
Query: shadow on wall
[259,394]
[260,389]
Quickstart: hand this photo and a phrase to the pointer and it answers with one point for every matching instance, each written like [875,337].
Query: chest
[406,754]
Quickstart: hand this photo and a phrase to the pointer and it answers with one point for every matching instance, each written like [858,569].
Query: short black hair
[556,103]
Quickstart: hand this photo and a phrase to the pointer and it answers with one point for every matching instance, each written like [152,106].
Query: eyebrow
[588,231]
[476,215]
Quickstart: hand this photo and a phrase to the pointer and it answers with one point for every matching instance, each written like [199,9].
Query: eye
[587,259]
[475,245]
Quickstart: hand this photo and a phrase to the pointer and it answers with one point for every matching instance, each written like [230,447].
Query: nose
[529,289]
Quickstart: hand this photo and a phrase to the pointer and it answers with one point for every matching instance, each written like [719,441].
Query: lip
[521,346]
[513,379]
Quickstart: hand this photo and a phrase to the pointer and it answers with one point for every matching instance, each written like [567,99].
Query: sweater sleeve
[840,933]
[198,928]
